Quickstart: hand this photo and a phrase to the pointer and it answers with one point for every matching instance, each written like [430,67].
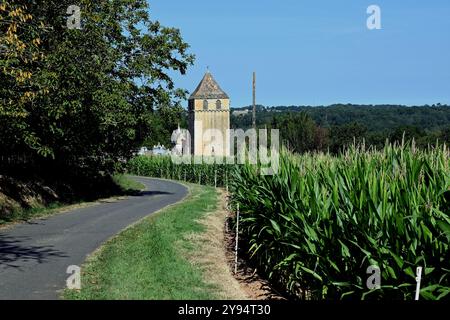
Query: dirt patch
[16,194]
[216,259]
[211,257]
[256,287]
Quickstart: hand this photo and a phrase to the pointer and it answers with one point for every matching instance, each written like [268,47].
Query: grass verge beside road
[159,257]
[127,184]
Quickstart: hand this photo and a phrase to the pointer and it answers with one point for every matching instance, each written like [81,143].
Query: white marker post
[226,178]
[237,240]
[215,178]
[418,279]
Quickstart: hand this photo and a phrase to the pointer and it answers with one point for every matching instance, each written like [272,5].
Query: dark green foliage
[336,127]
[298,131]
[375,118]
[345,135]
[105,85]
[162,124]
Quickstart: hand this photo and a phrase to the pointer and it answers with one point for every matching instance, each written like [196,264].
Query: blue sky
[314,52]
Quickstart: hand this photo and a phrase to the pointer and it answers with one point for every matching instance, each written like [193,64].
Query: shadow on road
[14,252]
[154,193]
[149,193]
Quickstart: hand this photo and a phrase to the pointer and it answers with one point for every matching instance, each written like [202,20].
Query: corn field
[319,224]
[315,227]
[163,167]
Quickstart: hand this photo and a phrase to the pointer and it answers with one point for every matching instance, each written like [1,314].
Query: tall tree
[298,131]
[345,135]
[105,81]
[20,54]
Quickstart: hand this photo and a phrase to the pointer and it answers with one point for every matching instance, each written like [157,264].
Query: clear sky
[314,52]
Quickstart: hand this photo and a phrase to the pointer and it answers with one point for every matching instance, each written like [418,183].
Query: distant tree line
[332,128]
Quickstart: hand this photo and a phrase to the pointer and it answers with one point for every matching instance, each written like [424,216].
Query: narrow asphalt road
[34,256]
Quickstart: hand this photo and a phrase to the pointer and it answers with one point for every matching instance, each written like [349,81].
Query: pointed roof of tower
[208,89]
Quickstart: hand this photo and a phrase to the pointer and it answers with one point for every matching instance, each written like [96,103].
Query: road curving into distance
[34,256]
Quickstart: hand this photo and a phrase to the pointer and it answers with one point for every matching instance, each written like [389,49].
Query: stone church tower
[209,108]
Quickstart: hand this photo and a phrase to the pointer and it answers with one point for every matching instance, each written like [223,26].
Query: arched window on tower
[218,104]
[205,104]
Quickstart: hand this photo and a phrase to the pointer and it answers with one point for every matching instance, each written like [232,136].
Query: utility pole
[254,100]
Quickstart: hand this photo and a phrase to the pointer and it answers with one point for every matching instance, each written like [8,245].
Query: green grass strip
[148,260]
